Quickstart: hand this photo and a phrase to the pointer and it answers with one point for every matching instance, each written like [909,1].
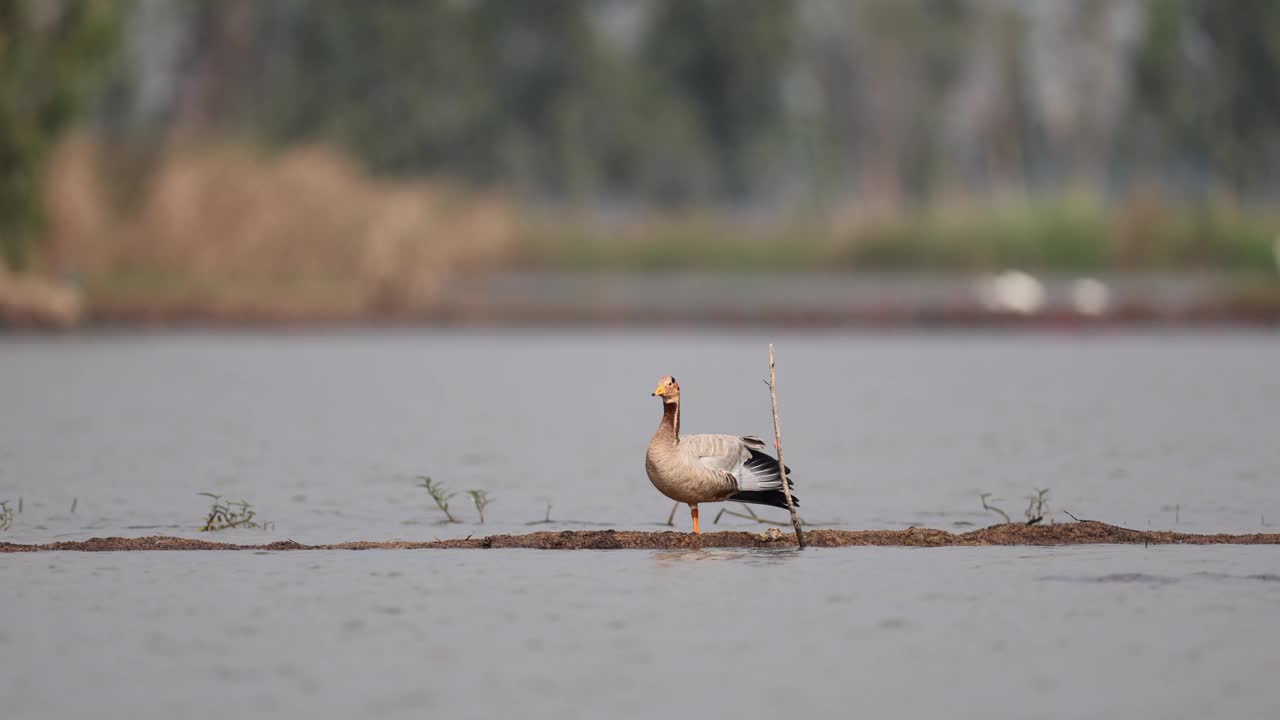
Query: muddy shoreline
[1076,533]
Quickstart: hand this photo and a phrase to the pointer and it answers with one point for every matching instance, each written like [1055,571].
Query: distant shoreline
[729,300]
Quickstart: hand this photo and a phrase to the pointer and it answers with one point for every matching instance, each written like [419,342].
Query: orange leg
[694,509]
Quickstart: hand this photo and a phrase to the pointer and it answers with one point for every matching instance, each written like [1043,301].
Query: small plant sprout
[1036,506]
[223,515]
[992,508]
[481,500]
[6,515]
[440,494]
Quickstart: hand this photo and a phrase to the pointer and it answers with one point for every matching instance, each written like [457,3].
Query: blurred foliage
[1062,232]
[1205,82]
[472,88]
[739,102]
[954,133]
[529,93]
[723,62]
[51,51]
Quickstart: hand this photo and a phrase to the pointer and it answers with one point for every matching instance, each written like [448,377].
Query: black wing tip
[763,458]
[773,498]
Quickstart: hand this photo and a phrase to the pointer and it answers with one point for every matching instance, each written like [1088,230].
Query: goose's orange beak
[661,391]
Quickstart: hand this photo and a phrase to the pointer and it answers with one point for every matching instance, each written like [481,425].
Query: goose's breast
[680,478]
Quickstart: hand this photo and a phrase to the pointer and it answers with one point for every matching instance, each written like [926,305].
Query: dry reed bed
[1077,533]
[223,230]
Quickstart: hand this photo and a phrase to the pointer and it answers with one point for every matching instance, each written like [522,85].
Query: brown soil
[1078,533]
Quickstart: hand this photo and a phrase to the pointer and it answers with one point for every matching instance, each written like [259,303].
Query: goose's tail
[761,482]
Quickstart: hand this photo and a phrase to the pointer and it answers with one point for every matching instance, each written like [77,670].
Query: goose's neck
[669,428]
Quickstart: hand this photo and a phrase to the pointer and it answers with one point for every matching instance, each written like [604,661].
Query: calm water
[324,434]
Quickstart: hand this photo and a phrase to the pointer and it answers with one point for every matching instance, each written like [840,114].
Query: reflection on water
[751,557]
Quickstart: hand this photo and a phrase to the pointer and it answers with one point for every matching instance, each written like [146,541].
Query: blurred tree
[724,61]
[399,82]
[1244,99]
[624,102]
[1205,90]
[541,61]
[491,89]
[51,51]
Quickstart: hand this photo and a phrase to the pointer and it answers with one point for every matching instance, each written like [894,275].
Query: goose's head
[668,389]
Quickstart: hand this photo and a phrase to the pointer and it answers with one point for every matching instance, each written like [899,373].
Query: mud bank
[1077,533]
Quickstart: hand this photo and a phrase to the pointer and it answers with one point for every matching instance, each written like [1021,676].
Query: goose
[709,468]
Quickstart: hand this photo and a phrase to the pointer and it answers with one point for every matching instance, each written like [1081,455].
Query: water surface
[1169,632]
[325,433]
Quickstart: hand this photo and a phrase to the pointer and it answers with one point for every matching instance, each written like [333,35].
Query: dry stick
[777,441]
[1073,517]
[1099,522]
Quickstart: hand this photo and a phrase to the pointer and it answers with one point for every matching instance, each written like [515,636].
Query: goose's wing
[749,475]
[724,453]
[760,481]
[756,475]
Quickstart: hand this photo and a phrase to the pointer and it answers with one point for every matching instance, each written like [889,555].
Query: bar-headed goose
[709,468]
